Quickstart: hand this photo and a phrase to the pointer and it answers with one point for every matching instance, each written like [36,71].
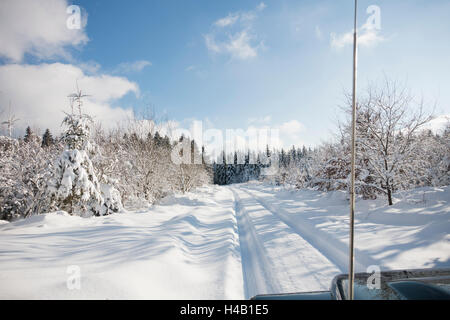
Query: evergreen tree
[159,140]
[47,139]
[166,142]
[203,155]
[293,155]
[268,153]
[28,134]
[74,186]
[283,159]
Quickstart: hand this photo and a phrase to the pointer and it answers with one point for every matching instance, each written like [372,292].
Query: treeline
[245,166]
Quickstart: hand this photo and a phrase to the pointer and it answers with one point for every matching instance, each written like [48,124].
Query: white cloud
[227,21]
[37,28]
[198,71]
[38,94]
[291,133]
[340,41]
[291,127]
[211,44]
[131,67]
[241,42]
[240,47]
[90,67]
[438,124]
[261,6]
[260,120]
[368,37]
[286,134]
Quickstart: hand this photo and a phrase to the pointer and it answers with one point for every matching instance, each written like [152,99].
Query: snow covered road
[276,258]
[229,242]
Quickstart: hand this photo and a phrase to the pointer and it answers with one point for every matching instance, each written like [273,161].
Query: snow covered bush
[112,199]
[434,150]
[25,169]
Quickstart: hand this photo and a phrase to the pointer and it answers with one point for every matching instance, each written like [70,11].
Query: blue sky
[240,63]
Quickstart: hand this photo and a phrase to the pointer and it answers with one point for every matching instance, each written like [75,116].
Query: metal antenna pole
[351,274]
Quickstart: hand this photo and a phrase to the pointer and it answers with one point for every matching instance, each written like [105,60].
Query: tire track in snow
[256,269]
[276,259]
[333,249]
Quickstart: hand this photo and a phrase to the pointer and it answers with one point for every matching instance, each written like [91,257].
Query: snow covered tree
[386,128]
[74,186]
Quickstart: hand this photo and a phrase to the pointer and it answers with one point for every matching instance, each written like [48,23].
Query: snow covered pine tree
[74,186]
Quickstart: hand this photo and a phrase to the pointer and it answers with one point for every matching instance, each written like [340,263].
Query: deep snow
[227,242]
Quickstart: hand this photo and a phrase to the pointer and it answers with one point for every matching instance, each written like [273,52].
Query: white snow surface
[221,242]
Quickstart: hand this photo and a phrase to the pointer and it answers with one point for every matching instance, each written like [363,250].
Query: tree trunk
[389,192]
[388,184]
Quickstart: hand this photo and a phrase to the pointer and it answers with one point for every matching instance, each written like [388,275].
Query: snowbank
[413,233]
[176,251]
